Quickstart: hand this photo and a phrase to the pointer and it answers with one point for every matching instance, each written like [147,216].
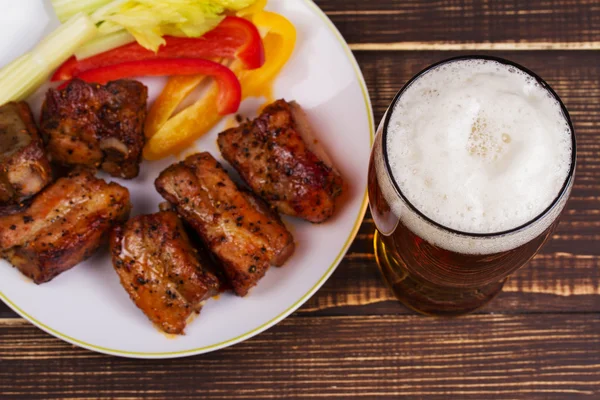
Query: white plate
[87,306]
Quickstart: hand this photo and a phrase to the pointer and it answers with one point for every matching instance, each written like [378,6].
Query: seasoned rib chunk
[24,167]
[160,270]
[64,225]
[241,231]
[278,157]
[97,126]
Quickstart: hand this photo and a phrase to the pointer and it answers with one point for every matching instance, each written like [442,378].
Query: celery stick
[101,13]
[65,9]
[108,27]
[62,43]
[14,65]
[20,78]
[104,43]
[25,74]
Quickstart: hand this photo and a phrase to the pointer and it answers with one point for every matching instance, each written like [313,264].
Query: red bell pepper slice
[233,38]
[230,90]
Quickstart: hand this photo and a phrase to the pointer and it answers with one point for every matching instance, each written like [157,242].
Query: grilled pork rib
[96,126]
[63,226]
[160,270]
[242,232]
[24,167]
[279,159]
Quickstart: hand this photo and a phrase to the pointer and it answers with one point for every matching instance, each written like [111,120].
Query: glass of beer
[471,167]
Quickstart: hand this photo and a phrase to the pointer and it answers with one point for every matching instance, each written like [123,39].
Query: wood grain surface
[476,357]
[539,339]
[471,24]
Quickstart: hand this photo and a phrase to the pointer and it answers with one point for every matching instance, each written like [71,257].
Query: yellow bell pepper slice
[279,46]
[178,132]
[176,89]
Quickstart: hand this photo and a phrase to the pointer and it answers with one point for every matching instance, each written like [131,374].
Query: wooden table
[540,339]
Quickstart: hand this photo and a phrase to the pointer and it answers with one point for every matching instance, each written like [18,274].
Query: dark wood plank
[517,357]
[560,22]
[566,276]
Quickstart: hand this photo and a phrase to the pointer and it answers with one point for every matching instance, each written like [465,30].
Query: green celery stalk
[25,74]
[108,27]
[104,43]
[57,47]
[20,78]
[65,9]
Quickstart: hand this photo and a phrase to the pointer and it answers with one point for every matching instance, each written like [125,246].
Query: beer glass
[438,269]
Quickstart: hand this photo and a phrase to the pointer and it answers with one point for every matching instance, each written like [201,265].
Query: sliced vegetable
[21,77]
[234,37]
[250,51]
[175,134]
[177,89]
[149,20]
[65,9]
[185,127]
[230,91]
[63,42]
[104,43]
[279,46]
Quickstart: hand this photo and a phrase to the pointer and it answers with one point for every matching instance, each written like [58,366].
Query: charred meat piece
[160,270]
[242,232]
[63,226]
[96,126]
[24,167]
[278,157]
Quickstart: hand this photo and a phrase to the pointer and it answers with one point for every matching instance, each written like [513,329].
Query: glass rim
[543,84]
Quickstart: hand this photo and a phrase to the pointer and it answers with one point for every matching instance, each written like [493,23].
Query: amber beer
[471,167]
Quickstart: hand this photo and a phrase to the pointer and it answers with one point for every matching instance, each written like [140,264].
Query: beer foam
[479,147]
